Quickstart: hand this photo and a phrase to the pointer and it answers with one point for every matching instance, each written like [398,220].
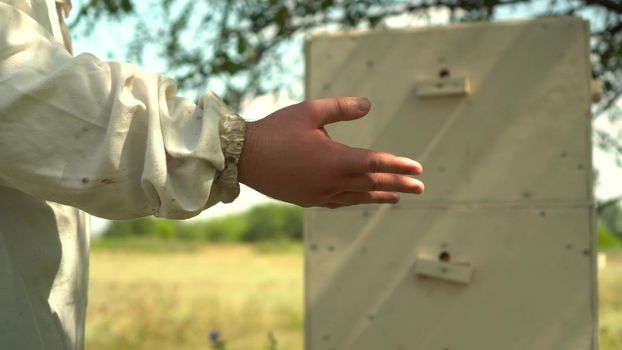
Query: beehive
[499,253]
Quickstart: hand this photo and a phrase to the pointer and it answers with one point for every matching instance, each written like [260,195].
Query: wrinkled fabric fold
[108,137]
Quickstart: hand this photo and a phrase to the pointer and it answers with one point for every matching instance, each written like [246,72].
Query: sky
[109,42]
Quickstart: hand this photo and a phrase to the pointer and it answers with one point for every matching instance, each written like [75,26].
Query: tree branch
[614,6]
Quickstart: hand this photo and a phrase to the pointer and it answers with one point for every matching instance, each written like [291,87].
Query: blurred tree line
[282,223]
[610,227]
[269,222]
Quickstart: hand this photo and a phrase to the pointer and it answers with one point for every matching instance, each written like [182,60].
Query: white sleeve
[108,138]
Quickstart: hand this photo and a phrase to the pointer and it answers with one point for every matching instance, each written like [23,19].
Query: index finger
[366,161]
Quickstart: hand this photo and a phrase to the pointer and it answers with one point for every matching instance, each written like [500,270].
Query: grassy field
[172,300]
[149,298]
[610,293]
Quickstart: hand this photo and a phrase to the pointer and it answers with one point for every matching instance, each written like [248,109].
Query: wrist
[247,160]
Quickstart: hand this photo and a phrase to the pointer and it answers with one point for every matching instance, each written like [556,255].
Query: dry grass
[610,285]
[142,300]
[158,300]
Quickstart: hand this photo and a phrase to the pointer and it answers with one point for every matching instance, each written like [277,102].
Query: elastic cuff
[232,134]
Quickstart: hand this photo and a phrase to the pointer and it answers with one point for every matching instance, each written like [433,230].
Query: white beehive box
[499,115]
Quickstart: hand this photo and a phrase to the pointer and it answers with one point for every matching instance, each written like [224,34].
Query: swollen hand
[289,156]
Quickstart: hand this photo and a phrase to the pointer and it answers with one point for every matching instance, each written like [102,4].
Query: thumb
[336,109]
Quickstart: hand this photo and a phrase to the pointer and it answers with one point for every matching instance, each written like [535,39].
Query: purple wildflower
[214,337]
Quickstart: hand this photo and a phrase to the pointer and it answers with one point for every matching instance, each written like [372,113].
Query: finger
[383,182]
[351,198]
[336,109]
[334,205]
[365,161]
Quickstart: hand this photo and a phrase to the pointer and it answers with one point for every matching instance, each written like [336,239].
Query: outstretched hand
[289,156]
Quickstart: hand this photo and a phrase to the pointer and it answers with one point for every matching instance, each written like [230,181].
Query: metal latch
[454,272]
[446,86]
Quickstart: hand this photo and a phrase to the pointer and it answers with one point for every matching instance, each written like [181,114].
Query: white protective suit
[107,138]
